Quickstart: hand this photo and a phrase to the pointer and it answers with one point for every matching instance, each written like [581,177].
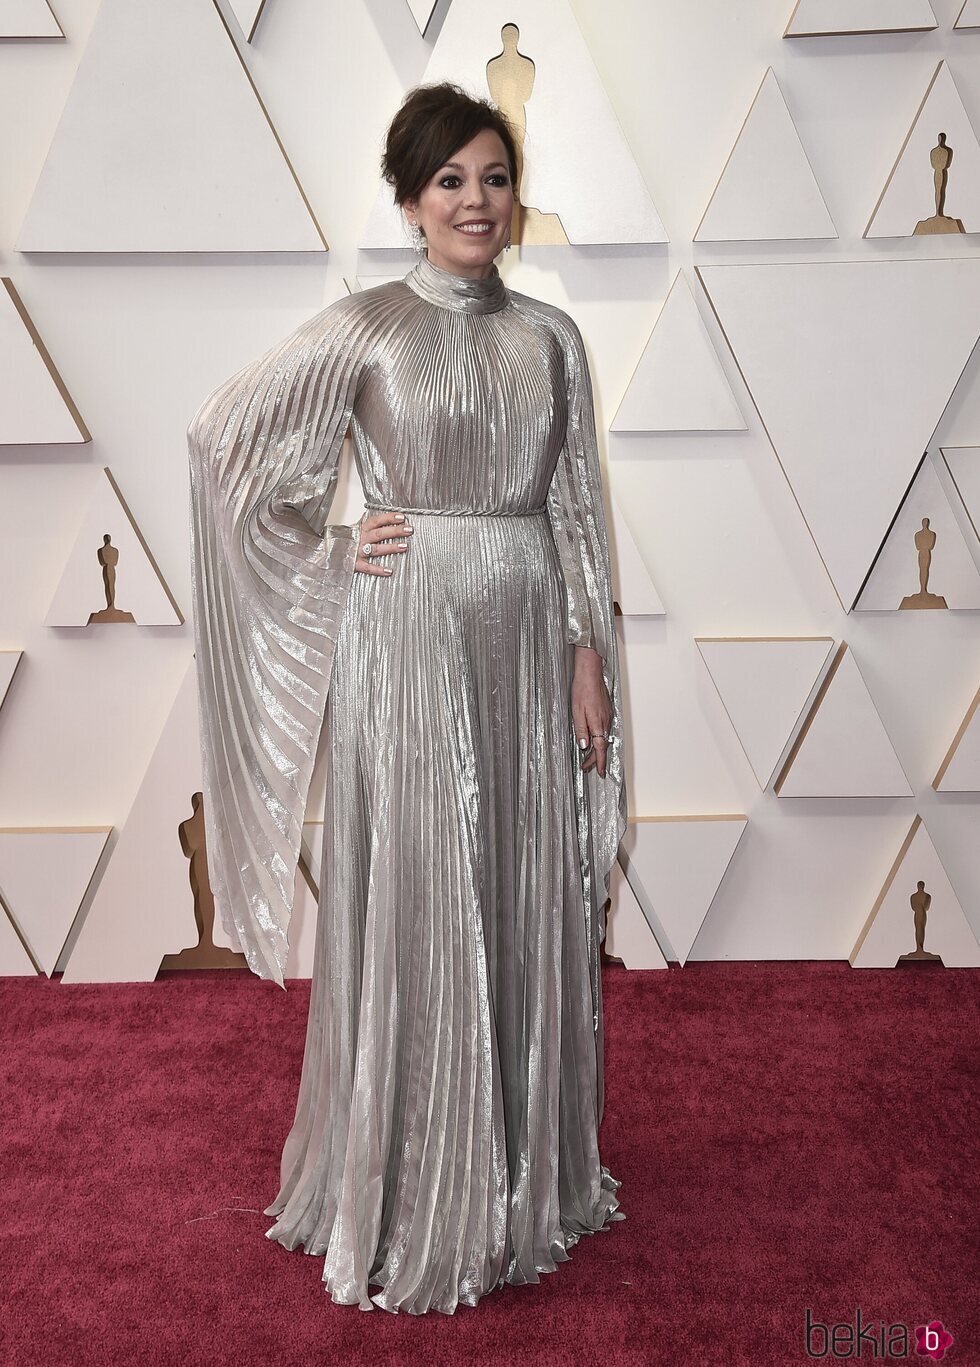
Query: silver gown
[445,1138]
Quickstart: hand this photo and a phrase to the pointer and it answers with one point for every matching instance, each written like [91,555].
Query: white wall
[141,340]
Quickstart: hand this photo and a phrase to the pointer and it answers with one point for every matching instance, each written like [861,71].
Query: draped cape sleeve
[578,521]
[270,583]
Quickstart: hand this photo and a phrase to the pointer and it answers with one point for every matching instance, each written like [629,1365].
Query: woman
[459,642]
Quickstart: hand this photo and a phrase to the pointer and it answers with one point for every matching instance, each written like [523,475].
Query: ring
[366,549]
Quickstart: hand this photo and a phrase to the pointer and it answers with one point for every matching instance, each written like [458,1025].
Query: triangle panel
[767,190]
[917,889]
[765,685]
[15,962]
[843,749]
[960,769]
[675,866]
[9,660]
[963,464]
[633,588]
[165,146]
[110,575]
[628,933]
[422,12]
[44,875]
[247,13]
[925,562]
[679,384]
[817,18]
[35,406]
[126,934]
[934,186]
[28,19]
[850,365]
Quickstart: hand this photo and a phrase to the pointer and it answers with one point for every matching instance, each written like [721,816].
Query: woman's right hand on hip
[379,532]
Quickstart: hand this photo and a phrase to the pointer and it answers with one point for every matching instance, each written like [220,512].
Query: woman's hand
[591,709]
[380,530]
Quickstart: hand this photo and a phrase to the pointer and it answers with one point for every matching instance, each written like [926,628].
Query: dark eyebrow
[459,167]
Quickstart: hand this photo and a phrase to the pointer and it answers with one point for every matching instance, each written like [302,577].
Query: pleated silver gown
[445,1138]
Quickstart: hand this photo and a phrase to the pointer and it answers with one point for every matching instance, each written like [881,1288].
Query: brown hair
[433,123]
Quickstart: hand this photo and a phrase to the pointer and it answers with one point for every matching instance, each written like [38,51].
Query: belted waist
[449,512]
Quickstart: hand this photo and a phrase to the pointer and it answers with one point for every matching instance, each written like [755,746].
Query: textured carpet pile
[797,1142]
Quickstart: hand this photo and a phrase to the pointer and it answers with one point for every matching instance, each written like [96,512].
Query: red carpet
[791,1137]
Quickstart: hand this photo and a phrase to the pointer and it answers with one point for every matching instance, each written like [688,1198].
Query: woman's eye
[498,178]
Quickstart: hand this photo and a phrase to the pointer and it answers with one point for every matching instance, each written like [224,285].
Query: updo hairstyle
[433,123]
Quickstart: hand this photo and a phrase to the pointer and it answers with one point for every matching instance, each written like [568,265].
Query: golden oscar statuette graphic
[920,902]
[510,78]
[205,954]
[940,156]
[925,542]
[108,558]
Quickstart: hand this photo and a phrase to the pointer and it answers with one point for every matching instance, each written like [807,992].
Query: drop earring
[418,241]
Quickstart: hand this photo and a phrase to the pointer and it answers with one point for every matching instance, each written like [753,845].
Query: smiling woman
[445,1138]
[471,195]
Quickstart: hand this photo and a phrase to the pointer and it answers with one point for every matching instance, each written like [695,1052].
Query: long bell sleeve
[270,583]
[578,522]
[575,504]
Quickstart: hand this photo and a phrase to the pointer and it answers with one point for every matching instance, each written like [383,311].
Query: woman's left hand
[591,709]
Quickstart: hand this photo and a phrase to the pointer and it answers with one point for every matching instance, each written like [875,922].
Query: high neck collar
[464,293]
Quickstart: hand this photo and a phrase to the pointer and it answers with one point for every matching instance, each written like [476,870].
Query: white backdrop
[141,339]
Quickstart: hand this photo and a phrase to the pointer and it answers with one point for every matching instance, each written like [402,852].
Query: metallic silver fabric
[445,1138]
